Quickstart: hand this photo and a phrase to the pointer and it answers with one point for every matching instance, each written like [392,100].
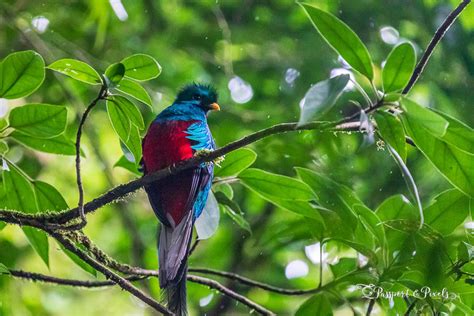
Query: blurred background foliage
[262,56]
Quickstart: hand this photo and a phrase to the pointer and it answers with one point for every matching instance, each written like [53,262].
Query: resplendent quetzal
[178,133]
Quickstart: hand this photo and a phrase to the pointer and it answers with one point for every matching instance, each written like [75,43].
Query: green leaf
[83,265]
[125,117]
[4,269]
[3,124]
[119,120]
[135,90]
[224,188]
[458,134]
[332,195]
[396,207]
[342,39]
[453,163]
[114,74]
[123,162]
[134,144]
[274,185]
[233,210]
[391,129]
[299,207]
[39,120]
[141,67]
[3,147]
[371,222]
[19,193]
[76,69]
[433,123]
[321,97]
[39,241]
[398,68]
[236,217]
[57,145]
[235,162]
[20,196]
[448,211]
[21,73]
[465,251]
[344,266]
[127,108]
[48,198]
[316,305]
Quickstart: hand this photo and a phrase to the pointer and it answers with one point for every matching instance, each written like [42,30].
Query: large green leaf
[76,69]
[396,207]
[119,120]
[274,185]
[332,195]
[316,305]
[321,97]
[48,198]
[232,209]
[141,67]
[20,196]
[235,162]
[39,120]
[127,108]
[56,145]
[134,144]
[83,265]
[39,241]
[21,73]
[448,211]
[453,163]
[135,90]
[342,39]
[398,67]
[371,222]
[458,134]
[114,74]
[343,266]
[424,117]
[128,165]
[391,129]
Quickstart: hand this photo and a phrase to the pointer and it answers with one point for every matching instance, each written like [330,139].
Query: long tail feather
[175,295]
[173,251]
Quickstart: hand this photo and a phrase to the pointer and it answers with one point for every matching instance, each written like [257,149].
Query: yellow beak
[215,107]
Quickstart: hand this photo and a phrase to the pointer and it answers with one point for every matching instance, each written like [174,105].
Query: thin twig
[250,282]
[120,281]
[193,247]
[37,277]
[439,34]
[80,204]
[410,307]
[370,307]
[216,285]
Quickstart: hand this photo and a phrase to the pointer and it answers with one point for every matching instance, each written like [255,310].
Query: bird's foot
[205,152]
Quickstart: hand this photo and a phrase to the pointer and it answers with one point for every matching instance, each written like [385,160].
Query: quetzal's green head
[202,96]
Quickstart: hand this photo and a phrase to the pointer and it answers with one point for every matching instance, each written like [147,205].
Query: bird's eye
[196,97]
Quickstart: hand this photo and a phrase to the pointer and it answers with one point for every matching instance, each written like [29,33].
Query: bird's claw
[205,152]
